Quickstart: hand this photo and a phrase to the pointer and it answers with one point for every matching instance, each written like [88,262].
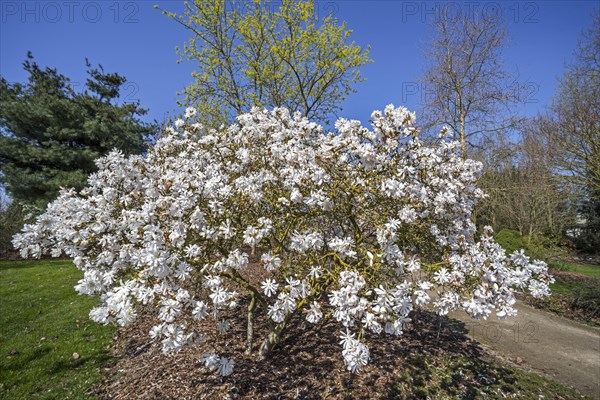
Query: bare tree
[523,192]
[572,131]
[572,127]
[471,92]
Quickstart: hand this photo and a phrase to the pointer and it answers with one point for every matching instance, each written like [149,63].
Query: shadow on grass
[23,376]
[64,365]
[22,361]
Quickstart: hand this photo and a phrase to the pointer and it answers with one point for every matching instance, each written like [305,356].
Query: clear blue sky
[137,41]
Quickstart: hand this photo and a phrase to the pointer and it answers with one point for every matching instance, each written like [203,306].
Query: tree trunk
[273,338]
[550,215]
[463,137]
[250,327]
[529,236]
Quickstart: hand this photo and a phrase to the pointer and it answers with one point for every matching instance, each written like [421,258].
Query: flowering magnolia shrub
[360,226]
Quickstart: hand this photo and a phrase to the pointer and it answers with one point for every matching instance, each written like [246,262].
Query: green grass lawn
[583,269]
[565,287]
[43,321]
[573,287]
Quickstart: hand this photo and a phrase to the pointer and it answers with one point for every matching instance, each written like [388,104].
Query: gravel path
[563,349]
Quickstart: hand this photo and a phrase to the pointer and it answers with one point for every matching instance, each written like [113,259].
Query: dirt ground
[565,350]
[434,359]
[306,365]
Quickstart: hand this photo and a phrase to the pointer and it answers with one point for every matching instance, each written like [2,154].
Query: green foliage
[535,246]
[51,135]
[510,240]
[12,218]
[43,323]
[576,292]
[253,53]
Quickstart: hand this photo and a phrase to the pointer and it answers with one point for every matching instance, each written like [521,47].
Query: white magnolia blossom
[355,353]
[269,287]
[190,112]
[359,225]
[223,326]
[314,313]
[211,360]
[225,366]
[315,272]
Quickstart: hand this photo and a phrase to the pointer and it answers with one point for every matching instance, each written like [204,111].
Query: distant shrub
[539,246]
[511,241]
[12,219]
[587,298]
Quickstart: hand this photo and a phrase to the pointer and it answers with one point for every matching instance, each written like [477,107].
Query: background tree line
[542,174]
[51,135]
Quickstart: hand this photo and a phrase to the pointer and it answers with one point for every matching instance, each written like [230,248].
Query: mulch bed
[10,255]
[307,364]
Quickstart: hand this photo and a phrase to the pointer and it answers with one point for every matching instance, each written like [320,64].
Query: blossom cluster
[360,225]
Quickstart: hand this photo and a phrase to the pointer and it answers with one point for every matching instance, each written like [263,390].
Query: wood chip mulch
[307,364]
